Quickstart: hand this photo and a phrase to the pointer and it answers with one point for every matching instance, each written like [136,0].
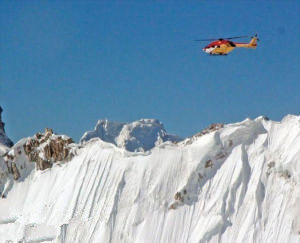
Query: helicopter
[223,46]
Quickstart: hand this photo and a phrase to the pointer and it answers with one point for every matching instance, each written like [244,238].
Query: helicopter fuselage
[223,47]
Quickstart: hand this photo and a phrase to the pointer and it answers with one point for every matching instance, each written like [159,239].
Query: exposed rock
[270,168]
[209,164]
[15,171]
[9,160]
[213,127]
[271,164]
[44,149]
[48,148]
[285,174]
[42,164]
[3,138]
[178,197]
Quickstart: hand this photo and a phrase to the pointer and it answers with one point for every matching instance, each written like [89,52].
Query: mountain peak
[140,135]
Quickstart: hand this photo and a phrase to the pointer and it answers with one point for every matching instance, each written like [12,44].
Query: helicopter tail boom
[251,44]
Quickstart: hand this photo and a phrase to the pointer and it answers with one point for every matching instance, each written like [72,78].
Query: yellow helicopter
[223,46]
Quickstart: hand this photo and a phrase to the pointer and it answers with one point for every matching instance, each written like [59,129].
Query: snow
[141,135]
[237,184]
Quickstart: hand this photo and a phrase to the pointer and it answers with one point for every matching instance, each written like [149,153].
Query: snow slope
[237,184]
[141,135]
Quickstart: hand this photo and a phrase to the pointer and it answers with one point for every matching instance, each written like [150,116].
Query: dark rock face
[3,138]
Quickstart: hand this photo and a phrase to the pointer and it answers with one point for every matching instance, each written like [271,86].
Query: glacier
[236,183]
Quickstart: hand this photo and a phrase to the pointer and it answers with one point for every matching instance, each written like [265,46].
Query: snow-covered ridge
[141,135]
[233,183]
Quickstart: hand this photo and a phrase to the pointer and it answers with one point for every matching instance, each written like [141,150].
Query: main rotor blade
[206,40]
[229,38]
[236,37]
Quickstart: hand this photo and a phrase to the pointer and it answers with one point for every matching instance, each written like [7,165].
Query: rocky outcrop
[12,168]
[212,127]
[15,171]
[3,138]
[43,149]
[48,148]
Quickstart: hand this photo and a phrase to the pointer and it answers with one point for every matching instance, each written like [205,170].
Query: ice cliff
[229,183]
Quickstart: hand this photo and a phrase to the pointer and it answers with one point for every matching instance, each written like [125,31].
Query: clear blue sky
[66,64]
